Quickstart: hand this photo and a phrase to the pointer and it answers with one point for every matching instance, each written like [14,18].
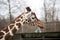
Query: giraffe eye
[32,17]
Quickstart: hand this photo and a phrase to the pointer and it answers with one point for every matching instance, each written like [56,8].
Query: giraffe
[28,17]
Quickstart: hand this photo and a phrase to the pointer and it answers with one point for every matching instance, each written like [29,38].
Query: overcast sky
[18,6]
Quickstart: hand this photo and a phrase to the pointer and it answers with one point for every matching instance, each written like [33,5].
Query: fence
[37,36]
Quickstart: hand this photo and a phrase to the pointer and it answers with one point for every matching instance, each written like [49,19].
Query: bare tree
[45,12]
[49,9]
[11,17]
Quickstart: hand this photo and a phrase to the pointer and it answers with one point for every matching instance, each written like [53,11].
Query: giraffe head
[35,21]
[32,18]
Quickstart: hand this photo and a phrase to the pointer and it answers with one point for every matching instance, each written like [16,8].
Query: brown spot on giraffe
[17,20]
[14,30]
[7,36]
[11,26]
[18,24]
[1,35]
[6,29]
[26,21]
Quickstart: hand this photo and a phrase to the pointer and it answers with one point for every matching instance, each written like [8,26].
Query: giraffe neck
[9,31]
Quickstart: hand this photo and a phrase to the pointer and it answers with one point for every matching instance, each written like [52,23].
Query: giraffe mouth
[39,24]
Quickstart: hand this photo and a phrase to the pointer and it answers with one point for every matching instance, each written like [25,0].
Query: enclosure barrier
[37,36]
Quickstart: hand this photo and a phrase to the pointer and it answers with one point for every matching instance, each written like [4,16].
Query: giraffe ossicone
[27,17]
